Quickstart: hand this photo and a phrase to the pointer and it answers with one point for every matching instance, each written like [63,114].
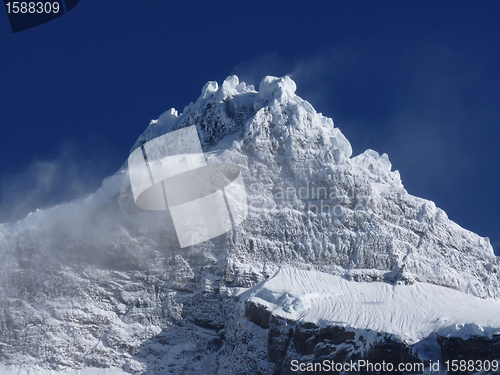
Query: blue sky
[418,80]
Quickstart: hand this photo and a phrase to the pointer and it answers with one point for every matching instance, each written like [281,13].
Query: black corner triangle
[70,4]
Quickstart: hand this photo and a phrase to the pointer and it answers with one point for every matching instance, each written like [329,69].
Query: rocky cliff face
[99,282]
[319,323]
[292,343]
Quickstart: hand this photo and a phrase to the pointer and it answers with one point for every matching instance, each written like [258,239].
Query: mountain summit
[312,204]
[100,283]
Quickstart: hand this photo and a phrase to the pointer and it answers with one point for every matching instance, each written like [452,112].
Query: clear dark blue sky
[419,80]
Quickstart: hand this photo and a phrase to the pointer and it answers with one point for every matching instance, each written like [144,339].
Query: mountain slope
[99,283]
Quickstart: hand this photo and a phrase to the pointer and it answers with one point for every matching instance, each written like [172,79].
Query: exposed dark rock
[257,314]
[474,348]
[304,342]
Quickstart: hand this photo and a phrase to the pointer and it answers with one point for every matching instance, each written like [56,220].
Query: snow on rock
[100,283]
[411,312]
[17,370]
[281,89]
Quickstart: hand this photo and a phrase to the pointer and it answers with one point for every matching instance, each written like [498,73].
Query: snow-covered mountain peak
[312,203]
[100,282]
[320,206]
[223,110]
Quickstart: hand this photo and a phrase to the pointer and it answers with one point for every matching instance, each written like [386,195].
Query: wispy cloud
[252,72]
[77,169]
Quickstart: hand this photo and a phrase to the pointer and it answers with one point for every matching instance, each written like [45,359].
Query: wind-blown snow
[411,312]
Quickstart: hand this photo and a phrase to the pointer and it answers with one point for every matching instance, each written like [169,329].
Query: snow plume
[251,72]
[76,169]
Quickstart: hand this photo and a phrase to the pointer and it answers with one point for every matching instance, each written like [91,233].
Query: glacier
[99,283]
[411,312]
